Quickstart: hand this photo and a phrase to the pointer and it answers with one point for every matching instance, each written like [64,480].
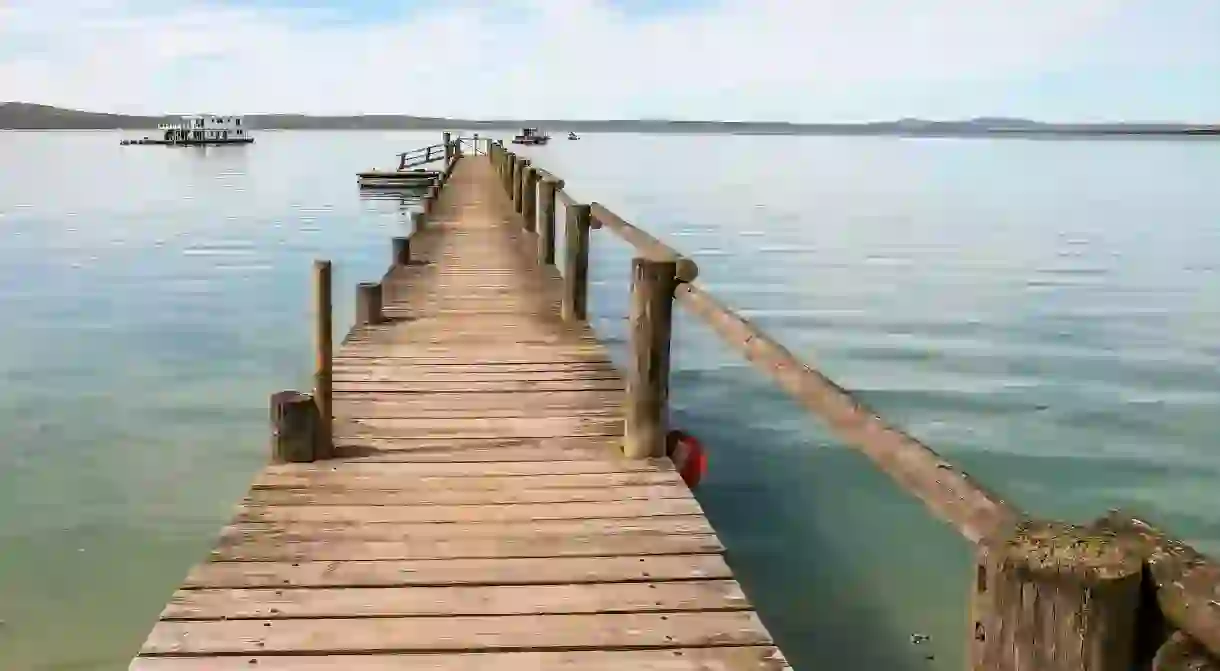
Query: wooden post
[519,198]
[323,357]
[510,174]
[402,251]
[448,140]
[652,303]
[368,304]
[1055,597]
[518,177]
[434,194]
[529,204]
[576,263]
[294,428]
[418,222]
[513,165]
[546,221]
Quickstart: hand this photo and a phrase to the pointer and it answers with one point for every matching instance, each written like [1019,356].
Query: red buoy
[688,456]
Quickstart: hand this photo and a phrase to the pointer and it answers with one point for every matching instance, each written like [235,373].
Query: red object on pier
[688,456]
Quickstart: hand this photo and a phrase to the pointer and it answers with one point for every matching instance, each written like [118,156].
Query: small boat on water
[531,136]
[573,136]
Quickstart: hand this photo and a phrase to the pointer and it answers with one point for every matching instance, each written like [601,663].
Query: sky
[774,60]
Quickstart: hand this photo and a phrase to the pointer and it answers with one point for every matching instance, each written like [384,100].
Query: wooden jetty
[411,173]
[472,485]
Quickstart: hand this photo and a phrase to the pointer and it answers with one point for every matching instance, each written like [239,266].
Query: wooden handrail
[1045,595]
[421,150]
[651,247]
[946,490]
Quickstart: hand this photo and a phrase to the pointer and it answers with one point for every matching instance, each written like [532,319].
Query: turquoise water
[1047,313]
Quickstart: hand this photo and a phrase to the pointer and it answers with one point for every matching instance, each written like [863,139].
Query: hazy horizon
[645,120]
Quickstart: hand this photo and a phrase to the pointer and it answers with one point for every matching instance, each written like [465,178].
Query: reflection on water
[407,200]
[1045,313]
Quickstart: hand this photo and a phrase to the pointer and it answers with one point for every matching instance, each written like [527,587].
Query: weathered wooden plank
[740,658]
[250,525]
[440,355]
[492,427]
[491,450]
[353,386]
[489,513]
[462,411]
[354,354]
[515,483]
[511,369]
[403,405]
[280,603]
[507,328]
[478,470]
[393,496]
[267,548]
[444,572]
[423,634]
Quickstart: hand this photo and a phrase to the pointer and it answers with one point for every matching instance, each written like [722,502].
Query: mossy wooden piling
[474,485]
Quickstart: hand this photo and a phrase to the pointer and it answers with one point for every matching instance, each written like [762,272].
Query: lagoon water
[1046,313]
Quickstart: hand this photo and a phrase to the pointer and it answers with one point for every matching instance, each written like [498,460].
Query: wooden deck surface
[479,516]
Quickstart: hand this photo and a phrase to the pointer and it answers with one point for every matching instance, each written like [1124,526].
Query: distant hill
[45,117]
[28,116]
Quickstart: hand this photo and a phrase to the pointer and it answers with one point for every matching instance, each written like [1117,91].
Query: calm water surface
[1047,313]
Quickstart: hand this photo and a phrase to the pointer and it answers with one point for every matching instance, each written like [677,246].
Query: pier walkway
[476,512]
[472,484]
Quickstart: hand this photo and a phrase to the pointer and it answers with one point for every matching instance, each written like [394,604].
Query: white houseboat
[201,129]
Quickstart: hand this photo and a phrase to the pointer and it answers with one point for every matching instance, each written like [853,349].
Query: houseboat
[531,136]
[201,129]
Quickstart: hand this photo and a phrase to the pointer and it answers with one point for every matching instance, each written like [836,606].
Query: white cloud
[791,59]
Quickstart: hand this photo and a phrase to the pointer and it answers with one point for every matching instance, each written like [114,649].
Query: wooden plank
[445,572]
[353,354]
[740,658]
[493,427]
[349,373]
[435,485]
[269,548]
[474,355]
[249,525]
[490,513]
[350,387]
[552,449]
[425,634]
[512,369]
[459,411]
[399,405]
[477,470]
[280,603]
[392,496]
